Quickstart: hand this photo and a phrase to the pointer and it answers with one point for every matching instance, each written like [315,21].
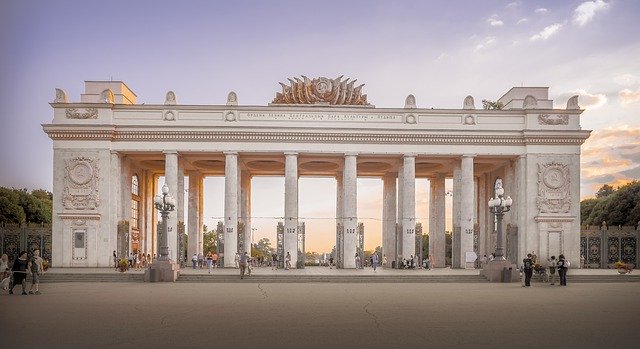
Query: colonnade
[399,213]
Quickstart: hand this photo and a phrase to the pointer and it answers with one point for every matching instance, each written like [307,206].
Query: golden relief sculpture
[321,91]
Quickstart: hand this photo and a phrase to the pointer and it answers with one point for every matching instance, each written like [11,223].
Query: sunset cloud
[610,156]
[522,20]
[540,10]
[486,43]
[626,80]
[627,96]
[585,12]
[495,22]
[547,32]
[588,100]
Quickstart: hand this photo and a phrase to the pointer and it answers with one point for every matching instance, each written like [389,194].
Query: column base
[162,271]
[493,271]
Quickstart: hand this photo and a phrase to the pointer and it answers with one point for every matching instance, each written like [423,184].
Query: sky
[440,51]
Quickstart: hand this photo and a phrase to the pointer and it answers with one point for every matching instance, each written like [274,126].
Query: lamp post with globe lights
[165,204]
[499,206]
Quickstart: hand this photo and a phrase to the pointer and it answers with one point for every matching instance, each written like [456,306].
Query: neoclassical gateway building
[110,151]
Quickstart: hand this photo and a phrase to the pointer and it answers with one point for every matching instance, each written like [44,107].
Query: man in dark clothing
[274,261]
[528,269]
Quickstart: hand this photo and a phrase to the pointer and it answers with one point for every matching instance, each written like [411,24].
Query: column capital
[350,154]
[290,153]
[522,156]
[468,155]
[115,152]
[230,153]
[409,155]
[170,152]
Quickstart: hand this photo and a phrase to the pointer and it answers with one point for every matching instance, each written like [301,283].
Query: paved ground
[131,315]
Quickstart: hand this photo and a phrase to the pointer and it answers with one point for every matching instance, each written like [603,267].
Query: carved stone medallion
[546,119]
[89,113]
[554,194]
[81,184]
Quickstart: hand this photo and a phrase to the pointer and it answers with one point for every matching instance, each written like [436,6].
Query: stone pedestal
[162,271]
[493,271]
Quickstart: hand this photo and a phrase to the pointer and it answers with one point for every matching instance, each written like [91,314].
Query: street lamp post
[499,206]
[165,204]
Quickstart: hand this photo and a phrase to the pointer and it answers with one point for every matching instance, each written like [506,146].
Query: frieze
[554,195]
[356,117]
[547,119]
[81,184]
[89,113]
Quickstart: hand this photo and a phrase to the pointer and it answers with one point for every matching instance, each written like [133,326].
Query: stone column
[245,207]
[455,234]
[389,217]
[230,208]
[179,208]
[409,206]
[519,206]
[171,179]
[193,230]
[291,206]
[437,219]
[399,240]
[115,197]
[200,216]
[350,206]
[339,214]
[467,210]
[482,215]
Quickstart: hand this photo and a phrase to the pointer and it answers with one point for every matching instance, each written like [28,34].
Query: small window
[135,188]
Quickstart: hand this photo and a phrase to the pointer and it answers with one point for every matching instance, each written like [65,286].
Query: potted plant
[623,268]
[123,265]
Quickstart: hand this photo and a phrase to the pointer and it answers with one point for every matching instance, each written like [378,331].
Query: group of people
[560,265]
[211,260]
[22,268]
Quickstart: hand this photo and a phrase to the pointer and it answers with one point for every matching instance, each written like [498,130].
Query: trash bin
[506,274]
[393,264]
[153,275]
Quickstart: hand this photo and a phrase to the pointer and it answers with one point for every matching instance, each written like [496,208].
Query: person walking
[200,260]
[287,261]
[236,259]
[374,261]
[214,260]
[528,270]
[563,265]
[194,260]
[552,269]
[115,260]
[357,257]
[19,270]
[36,271]
[243,260]
[330,262]
[5,273]
[274,261]
[209,261]
[384,261]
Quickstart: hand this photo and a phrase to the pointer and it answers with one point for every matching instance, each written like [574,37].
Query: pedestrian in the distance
[331,262]
[563,265]
[357,257]
[274,261]
[374,261]
[214,260]
[209,261]
[36,271]
[115,260]
[194,260]
[552,269]
[236,259]
[287,261]
[244,260]
[384,261]
[528,269]
[19,271]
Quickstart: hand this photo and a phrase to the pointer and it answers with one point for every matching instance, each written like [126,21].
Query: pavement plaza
[323,315]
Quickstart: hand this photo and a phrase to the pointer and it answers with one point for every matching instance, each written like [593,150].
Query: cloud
[540,10]
[547,32]
[585,12]
[495,22]
[588,100]
[610,156]
[487,42]
[522,20]
[626,80]
[513,4]
[627,96]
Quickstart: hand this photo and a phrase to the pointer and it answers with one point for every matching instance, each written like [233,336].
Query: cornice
[118,135]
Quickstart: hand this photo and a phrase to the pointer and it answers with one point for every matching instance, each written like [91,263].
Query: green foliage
[491,105]
[19,206]
[619,206]
[605,190]
[262,248]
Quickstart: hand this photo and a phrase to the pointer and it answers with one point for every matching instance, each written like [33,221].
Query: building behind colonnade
[109,152]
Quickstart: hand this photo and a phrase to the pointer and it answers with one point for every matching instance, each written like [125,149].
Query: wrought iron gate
[601,247]
[280,245]
[14,238]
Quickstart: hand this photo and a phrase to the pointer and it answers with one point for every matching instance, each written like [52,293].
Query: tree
[491,105]
[605,190]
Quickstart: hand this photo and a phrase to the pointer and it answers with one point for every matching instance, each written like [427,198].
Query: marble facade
[106,138]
